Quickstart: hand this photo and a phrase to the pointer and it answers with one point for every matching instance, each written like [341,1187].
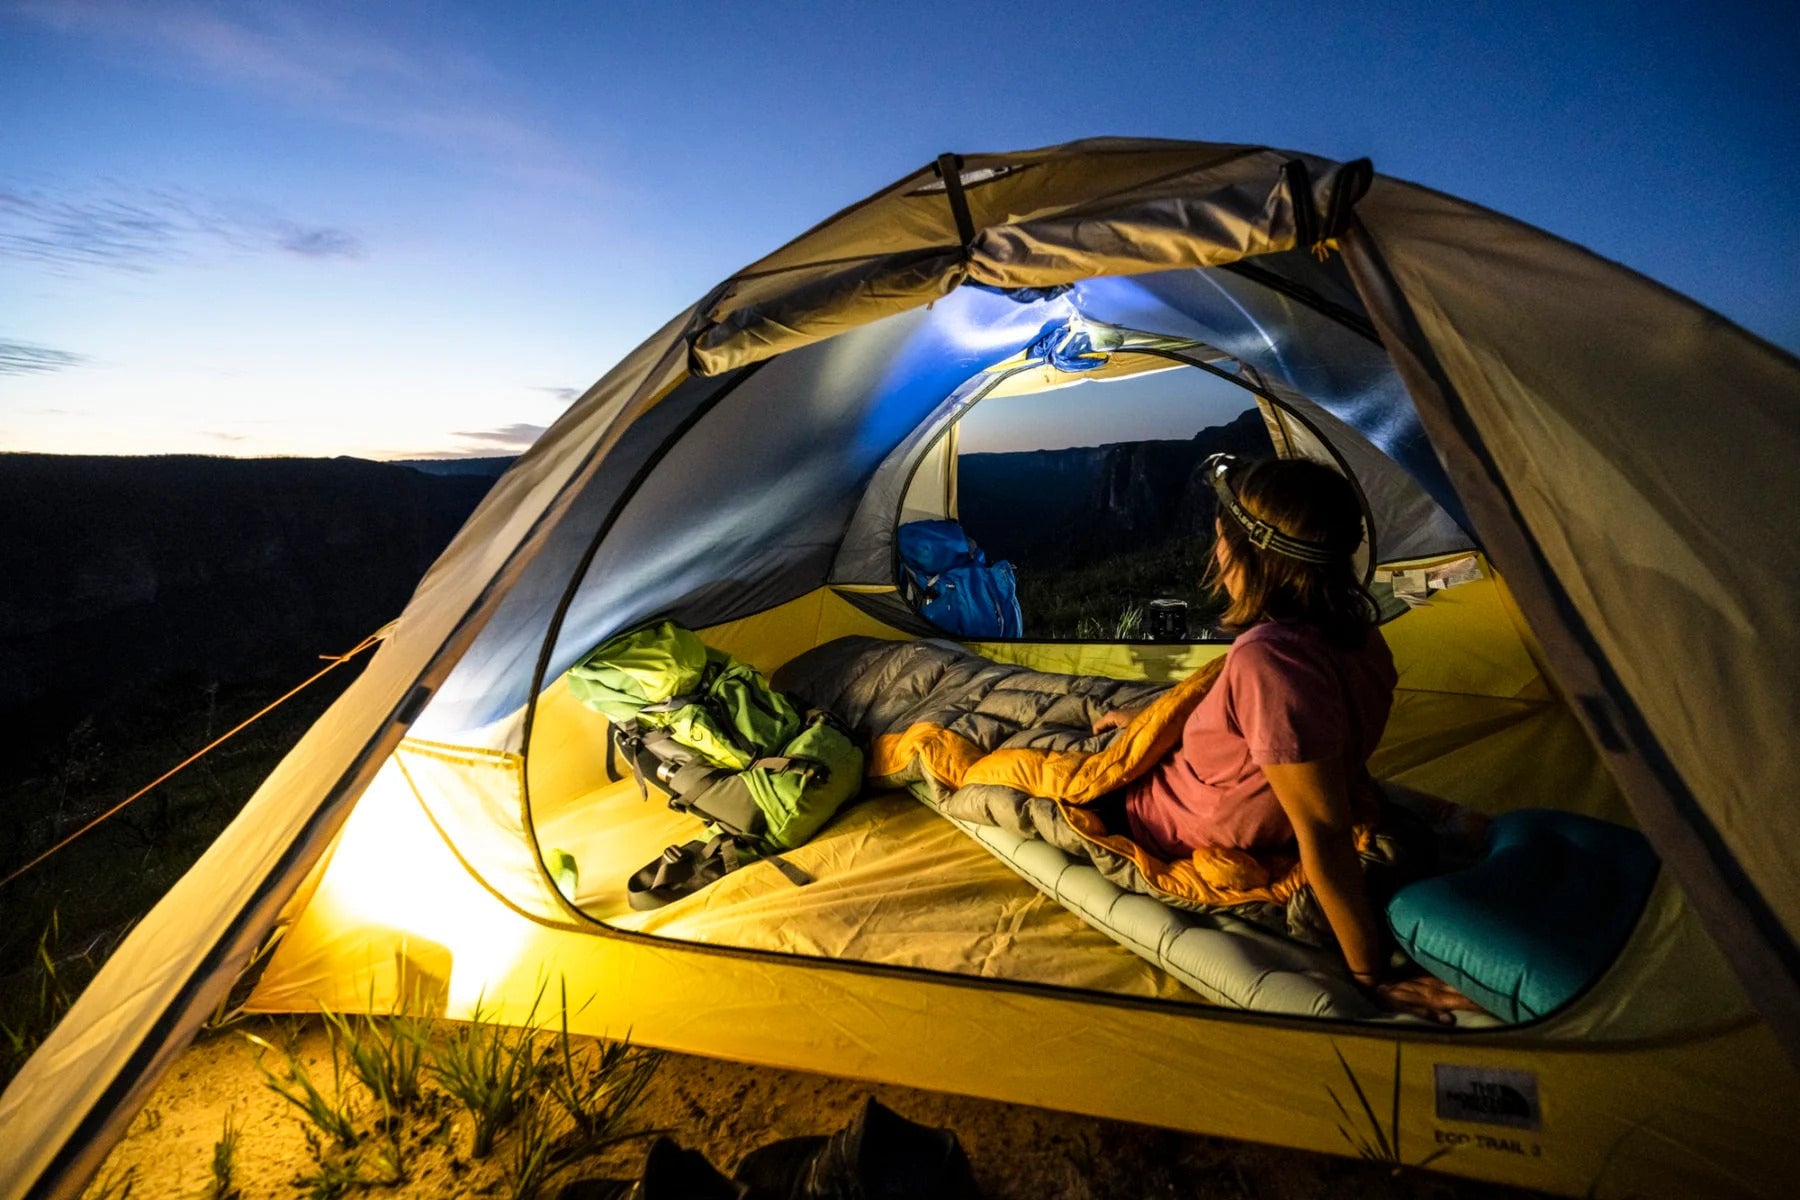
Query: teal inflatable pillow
[1537,919]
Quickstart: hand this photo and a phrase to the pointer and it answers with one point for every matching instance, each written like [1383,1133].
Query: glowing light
[393,870]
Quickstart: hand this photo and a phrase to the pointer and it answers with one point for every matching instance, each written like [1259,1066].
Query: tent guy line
[334,661]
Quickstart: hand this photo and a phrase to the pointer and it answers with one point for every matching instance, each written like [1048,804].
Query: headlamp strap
[1262,534]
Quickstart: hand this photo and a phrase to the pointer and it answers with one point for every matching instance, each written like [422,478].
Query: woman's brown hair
[1309,501]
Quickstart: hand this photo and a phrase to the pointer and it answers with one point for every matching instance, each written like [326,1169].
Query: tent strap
[949,169]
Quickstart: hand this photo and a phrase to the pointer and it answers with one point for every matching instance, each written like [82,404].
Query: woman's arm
[1316,798]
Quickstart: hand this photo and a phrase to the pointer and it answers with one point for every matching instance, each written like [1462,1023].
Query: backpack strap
[627,739]
[675,703]
[813,770]
[794,874]
[683,870]
[612,756]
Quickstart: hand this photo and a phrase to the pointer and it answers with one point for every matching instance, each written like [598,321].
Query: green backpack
[726,747]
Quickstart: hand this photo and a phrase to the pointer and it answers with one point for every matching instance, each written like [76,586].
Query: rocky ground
[722,1109]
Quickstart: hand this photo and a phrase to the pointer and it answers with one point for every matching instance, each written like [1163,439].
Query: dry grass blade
[1433,1156]
[1357,1142]
[331,1115]
[112,1186]
[1384,1148]
[535,1159]
[224,1184]
[1394,1126]
[1130,624]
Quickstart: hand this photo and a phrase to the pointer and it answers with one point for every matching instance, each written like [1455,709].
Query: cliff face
[126,573]
[1056,508]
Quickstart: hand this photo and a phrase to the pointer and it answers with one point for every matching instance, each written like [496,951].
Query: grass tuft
[597,1085]
[535,1158]
[1380,1145]
[329,1114]
[589,1090]
[541,1099]
[388,1054]
[224,1184]
[38,996]
[112,1186]
[491,1070]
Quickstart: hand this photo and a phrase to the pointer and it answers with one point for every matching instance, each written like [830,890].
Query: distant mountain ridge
[1048,509]
[491,468]
[125,573]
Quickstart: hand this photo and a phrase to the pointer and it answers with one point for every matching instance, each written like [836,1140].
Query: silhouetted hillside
[1060,508]
[492,468]
[125,574]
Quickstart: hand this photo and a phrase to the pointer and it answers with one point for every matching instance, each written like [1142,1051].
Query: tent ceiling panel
[866,553]
[1124,207]
[931,496]
[748,509]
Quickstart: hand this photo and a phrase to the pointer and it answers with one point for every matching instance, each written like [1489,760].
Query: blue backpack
[946,577]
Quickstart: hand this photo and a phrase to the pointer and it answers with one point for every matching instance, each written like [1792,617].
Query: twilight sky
[395,229]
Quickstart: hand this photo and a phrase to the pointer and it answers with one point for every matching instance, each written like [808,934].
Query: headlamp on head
[1263,535]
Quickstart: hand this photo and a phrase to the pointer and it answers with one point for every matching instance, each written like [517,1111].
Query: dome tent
[1572,418]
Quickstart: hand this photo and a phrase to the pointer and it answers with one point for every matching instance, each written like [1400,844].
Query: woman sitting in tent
[1277,753]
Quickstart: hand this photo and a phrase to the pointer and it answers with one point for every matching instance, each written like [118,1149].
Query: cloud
[229,437]
[151,228]
[24,358]
[321,243]
[433,94]
[568,395]
[508,439]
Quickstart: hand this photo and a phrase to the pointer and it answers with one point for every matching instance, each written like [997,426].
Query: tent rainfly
[1617,459]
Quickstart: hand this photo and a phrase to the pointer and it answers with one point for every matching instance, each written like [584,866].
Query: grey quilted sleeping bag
[1233,956]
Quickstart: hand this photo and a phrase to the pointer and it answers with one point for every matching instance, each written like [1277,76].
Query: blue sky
[418,228]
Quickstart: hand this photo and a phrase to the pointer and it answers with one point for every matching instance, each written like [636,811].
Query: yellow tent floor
[893,883]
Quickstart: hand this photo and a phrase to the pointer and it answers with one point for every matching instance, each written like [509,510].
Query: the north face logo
[1487,1096]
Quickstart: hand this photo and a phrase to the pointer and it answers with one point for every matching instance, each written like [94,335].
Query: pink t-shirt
[1286,696]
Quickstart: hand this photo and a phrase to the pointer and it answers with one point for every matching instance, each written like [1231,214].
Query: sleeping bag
[1010,747]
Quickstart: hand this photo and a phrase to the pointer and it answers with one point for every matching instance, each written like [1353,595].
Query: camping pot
[1166,620]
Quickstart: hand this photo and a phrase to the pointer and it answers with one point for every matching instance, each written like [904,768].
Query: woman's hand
[1423,996]
[1116,718]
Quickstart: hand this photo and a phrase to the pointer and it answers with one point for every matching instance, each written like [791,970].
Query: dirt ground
[725,1110]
